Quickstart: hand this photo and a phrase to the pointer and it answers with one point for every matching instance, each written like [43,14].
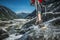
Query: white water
[13,37]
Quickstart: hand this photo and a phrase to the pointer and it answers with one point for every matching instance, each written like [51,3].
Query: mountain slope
[32,15]
[6,13]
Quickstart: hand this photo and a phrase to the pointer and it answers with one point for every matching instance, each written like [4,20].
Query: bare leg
[38,20]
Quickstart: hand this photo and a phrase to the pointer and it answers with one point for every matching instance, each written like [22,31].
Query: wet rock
[3,34]
[2,24]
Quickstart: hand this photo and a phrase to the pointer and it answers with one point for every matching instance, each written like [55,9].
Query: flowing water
[35,32]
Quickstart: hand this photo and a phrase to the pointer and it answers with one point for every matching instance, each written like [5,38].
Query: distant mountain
[22,15]
[6,13]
